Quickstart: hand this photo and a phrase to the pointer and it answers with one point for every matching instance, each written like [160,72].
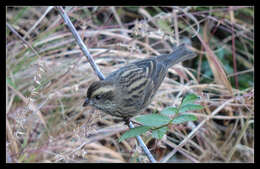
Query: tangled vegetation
[47,77]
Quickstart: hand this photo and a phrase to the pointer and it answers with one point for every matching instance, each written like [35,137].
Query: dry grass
[45,120]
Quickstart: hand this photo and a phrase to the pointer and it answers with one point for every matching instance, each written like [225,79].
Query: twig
[31,104]
[141,142]
[192,133]
[97,70]
[24,41]
[176,30]
[118,19]
[191,17]
[233,46]
[80,42]
[232,151]
[38,21]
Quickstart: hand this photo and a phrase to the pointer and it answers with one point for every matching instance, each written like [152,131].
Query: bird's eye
[97,97]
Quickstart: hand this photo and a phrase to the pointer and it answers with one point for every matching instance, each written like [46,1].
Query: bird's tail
[180,54]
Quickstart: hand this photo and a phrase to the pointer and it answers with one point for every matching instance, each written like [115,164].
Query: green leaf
[153,120]
[134,132]
[169,111]
[184,118]
[159,133]
[189,107]
[189,99]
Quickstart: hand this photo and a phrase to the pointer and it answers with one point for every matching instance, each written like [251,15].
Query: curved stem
[97,70]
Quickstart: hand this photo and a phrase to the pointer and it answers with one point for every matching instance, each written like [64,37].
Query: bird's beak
[86,103]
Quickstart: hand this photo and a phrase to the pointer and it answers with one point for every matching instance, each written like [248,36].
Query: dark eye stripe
[98,97]
[93,87]
[107,96]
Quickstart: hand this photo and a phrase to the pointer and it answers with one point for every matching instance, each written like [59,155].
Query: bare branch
[80,42]
[97,71]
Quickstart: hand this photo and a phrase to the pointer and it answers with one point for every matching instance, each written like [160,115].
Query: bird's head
[101,95]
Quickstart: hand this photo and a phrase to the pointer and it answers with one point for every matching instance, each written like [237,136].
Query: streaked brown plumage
[130,89]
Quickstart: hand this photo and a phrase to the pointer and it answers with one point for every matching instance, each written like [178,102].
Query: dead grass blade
[215,65]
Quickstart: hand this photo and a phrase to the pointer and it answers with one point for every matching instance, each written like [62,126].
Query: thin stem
[192,133]
[80,42]
[97,71]
[143,146]
[23,39]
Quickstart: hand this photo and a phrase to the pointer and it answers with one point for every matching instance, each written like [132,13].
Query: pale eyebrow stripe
[103,90]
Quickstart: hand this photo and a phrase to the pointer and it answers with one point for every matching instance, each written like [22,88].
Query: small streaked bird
[130,89]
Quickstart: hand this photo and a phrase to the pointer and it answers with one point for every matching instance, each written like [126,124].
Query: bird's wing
[140,80]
